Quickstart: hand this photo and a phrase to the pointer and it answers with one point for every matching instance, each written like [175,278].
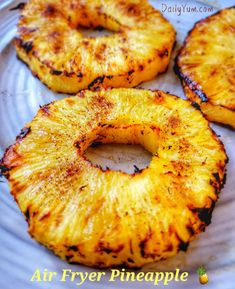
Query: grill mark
[191,230]
[97,81]
[4,171]
[193,85]
[23,133]
[183,246]
[205,214]
[27,213]
[131,248]
[73,248]
[45,109]
[190,83]
[143,245]
[130,72]
[56,72]
[163,53]
[47,215]
[169,248]
[217,177]
[27,46]
[26,31]
[68,257]
[106,248]
[20,6]
[10,160]
[96,144]
[50,10]
[196,105]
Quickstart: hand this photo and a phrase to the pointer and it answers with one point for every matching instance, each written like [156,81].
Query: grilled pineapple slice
[206,66]
[50,42]
[106,218]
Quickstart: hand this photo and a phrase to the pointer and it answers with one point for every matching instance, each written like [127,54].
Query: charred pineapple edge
[196,94]
[39,68]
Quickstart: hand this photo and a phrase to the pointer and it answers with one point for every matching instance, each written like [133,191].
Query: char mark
[191,84]
[27,46]
[50,10]
[4,171]
[20,6]
[23,133]
[196,105]
[205,214]
[73,248]
[45,109]
[136,169]
[163,53]
[106,248]
[96,144]
[27,213]
[217,177]
[183,246]
[56,72]
[96,82]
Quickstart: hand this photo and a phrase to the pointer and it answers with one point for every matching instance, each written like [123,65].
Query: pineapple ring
[50,43]
[206,66]
[106,218]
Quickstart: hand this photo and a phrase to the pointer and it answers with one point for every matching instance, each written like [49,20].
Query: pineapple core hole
[119,157]
[94,33]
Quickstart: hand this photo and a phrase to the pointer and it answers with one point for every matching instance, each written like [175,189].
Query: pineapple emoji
[203,277]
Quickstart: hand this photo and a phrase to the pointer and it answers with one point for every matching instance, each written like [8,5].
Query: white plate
[20,97]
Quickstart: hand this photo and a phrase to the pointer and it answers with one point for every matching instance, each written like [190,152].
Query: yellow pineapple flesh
[50,41]
[107,218]
[206,66]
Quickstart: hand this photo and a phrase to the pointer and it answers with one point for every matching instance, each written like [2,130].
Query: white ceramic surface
[20,97]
